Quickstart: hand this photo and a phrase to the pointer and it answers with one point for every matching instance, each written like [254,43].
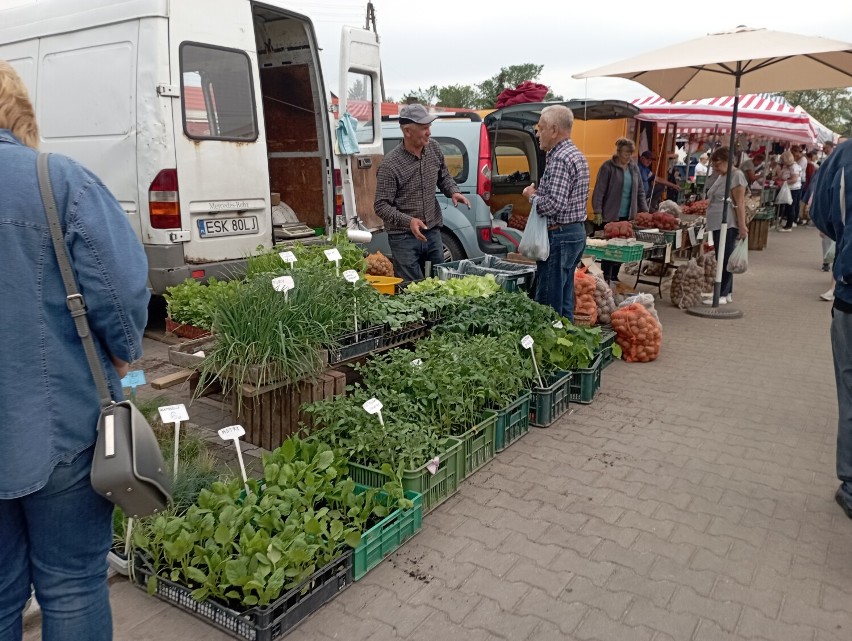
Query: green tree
[832,107]
[423,96]
[357,91]
[457,96]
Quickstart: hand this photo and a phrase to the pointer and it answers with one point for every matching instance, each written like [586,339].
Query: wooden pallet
[271,413]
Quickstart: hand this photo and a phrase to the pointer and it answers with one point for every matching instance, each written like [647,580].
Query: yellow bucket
[385,284]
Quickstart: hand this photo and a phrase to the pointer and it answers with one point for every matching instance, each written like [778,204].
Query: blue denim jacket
[48,401]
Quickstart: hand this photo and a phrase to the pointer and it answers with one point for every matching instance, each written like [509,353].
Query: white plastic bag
[784,196]
[738,262]
[534,243]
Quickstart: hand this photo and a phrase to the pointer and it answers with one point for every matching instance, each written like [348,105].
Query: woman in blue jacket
[55,531]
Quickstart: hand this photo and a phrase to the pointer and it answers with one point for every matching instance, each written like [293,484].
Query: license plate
[208,227]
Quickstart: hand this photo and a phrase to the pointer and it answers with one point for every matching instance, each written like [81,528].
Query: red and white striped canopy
[758,115]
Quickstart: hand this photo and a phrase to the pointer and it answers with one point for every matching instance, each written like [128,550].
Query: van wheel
[453,250]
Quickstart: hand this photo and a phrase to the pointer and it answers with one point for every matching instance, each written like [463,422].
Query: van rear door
[361,96]
[220,146]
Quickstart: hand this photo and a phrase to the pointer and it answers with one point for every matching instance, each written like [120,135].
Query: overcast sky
[448,42]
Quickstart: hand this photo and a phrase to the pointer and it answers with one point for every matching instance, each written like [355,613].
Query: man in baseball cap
[405,195]
[415,114]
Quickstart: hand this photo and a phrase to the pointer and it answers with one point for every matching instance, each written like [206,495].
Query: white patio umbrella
[755,61]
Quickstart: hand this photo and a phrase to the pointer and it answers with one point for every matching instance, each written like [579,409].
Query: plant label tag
[417,362]
[373,406]
[133,379]
[288,257]
[232,432]
[173,413]
[332,254]
[351,276]
[433,465]
[558,325]
[200,353]
[283,283]
[527,342]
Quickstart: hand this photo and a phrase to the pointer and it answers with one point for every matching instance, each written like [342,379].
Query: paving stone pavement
[692,501]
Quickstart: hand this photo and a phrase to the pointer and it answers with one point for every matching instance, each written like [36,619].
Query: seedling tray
[605,346]
[435,488]
[407,334]
[513,421]
[479,443]
[387,535]
[586,382]
[550,402]
[260,623]
[355,344]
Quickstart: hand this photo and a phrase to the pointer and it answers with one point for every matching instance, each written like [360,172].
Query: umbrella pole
[715,311]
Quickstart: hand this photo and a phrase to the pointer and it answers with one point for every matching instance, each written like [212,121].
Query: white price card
[433,465]
[333,254]
[288,257]
[557,325]
[232,432]
[173,413]
[373,406]
[417,362]
[283,283]
[527,341]
[351,275]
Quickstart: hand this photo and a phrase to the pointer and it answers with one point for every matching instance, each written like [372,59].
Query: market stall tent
[758,115]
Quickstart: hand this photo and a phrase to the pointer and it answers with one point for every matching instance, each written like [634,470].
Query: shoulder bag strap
[74,299]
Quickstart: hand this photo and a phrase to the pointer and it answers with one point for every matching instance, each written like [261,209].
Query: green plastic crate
[435,488]
[550,402]
[617,253]
[605,346]
[387,535]
[479,443]
[586,382]
[513,421]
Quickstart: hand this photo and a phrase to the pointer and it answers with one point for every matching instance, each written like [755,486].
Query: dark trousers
[409,255]
[730,242]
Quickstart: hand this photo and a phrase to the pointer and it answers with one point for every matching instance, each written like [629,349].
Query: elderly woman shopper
[56,531]
[791,173]
[618,194]
[736,215]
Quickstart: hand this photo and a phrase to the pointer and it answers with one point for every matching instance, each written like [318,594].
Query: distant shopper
[561,198]
[405,195]
[737,225]
[654,185]
[752,169]
[703,167]
[618,194]
[54,529]
[790,172]
[830,213]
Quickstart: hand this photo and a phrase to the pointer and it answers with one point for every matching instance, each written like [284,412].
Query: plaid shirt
[564,188]
[405,187]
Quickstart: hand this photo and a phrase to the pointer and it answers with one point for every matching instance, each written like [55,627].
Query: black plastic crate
[355,344]
[411,332]
[260,623]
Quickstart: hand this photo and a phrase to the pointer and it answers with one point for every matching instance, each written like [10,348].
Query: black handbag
[128,467]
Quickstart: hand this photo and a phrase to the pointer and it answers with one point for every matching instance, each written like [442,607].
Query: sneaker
[829,295]
[794,224]
[706,294]
[729,298]
[825,267]
[787,229]
[844,501]
[709,301]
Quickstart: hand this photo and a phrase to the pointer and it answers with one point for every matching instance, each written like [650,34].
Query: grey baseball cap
[415,113]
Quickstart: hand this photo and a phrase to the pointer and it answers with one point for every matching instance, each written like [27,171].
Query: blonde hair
[16,111]
[787,158]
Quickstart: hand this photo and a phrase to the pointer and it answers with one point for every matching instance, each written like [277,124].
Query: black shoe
[825,267]
[844,501]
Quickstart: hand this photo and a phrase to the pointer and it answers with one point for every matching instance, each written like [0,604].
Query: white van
[193,112]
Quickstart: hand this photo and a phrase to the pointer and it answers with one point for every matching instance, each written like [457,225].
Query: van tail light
[483,169]
[163,201]
[338,193]
[485,234]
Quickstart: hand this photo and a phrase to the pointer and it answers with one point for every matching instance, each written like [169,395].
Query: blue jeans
[555,276]
[57,539]
[730,243]
[409,255]
[841,344]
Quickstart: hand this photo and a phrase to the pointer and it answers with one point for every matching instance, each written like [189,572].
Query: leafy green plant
[193,303]
[309,257]
[245,549]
